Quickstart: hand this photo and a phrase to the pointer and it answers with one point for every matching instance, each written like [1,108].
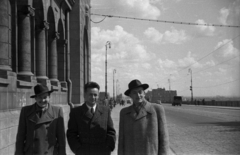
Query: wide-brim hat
[135,84]
[40,89]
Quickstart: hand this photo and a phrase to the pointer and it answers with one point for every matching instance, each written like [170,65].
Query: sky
[167,55]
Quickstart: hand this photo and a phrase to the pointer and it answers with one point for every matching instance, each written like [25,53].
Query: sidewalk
[115,118]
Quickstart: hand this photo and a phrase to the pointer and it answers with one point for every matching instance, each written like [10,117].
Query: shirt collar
[38,108]
[94,107]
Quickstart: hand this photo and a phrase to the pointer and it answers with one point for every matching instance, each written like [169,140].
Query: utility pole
[117,89]
[191,88]
[114,71]
[169,84]
[169,90]
[108,43]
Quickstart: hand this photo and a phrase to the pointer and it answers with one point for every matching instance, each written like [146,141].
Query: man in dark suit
[90,127]
[41,127]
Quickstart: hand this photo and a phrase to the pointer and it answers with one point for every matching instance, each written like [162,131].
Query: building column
[41,62]
[61,45]
[24,41]
[4,36]
[52,59]
[68,78]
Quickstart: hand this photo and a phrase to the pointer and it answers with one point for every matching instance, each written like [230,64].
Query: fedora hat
[135,84]
[40,89]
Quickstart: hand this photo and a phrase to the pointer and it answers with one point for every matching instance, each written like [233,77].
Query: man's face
[43,99]
[137,95]
[91,96]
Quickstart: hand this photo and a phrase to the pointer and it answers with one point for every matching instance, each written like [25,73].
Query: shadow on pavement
[229,126]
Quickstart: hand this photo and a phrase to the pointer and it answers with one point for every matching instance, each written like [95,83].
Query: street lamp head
[108,43]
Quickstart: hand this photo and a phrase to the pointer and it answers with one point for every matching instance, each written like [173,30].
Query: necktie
[92,111]
[39,112]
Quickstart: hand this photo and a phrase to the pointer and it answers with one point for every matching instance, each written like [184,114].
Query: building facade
[41,41]
[160,94]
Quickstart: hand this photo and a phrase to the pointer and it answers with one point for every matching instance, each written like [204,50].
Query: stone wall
[41,41]
[216,103]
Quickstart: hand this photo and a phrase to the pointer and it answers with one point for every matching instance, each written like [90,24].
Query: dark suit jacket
[36,135]
[91,135]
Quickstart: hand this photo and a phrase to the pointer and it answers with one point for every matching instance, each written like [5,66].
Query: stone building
[41,41]
[160,94]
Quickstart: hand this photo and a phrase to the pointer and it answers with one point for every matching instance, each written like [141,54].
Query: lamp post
[114,71]
[190,71]
[108,44]
[117,89]
[169,81]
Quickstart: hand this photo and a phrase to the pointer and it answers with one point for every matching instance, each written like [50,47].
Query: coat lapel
[31,115]
[86,112]
[98,113]
[131,112]
[46,117]
[144,111]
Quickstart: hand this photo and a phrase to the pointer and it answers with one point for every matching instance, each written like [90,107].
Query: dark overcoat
[144,133]
[89,134]
[45,135]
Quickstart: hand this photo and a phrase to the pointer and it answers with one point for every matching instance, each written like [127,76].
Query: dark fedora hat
[135,84]
[40,89]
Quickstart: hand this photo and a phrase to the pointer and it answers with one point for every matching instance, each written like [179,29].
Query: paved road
[197,130]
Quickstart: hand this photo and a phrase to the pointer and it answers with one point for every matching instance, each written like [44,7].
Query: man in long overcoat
[41,127]
[90,127]
[142,127]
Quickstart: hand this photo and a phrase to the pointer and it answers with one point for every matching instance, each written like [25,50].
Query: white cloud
[126,50]
[226,51]
[210,63]
[146,65]
[154,1]
[153,34]
[170,66]
[144,8]
[189,60]
[174,36]
[223,16]
[204,30]
[230,15]
[167,64]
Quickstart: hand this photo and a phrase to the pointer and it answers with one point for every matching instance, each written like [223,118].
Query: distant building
[102,95]
[165,96]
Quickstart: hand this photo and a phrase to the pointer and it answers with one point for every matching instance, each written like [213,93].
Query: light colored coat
[145,133]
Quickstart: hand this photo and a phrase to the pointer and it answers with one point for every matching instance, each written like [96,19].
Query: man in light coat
[41,127]
[142,127]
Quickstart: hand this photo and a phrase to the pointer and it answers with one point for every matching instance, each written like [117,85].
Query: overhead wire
[219,84]
[165,21]
[207,68]
[182,23]
[98,21]
[210,53]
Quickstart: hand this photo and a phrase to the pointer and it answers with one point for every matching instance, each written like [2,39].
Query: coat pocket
[26,147]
